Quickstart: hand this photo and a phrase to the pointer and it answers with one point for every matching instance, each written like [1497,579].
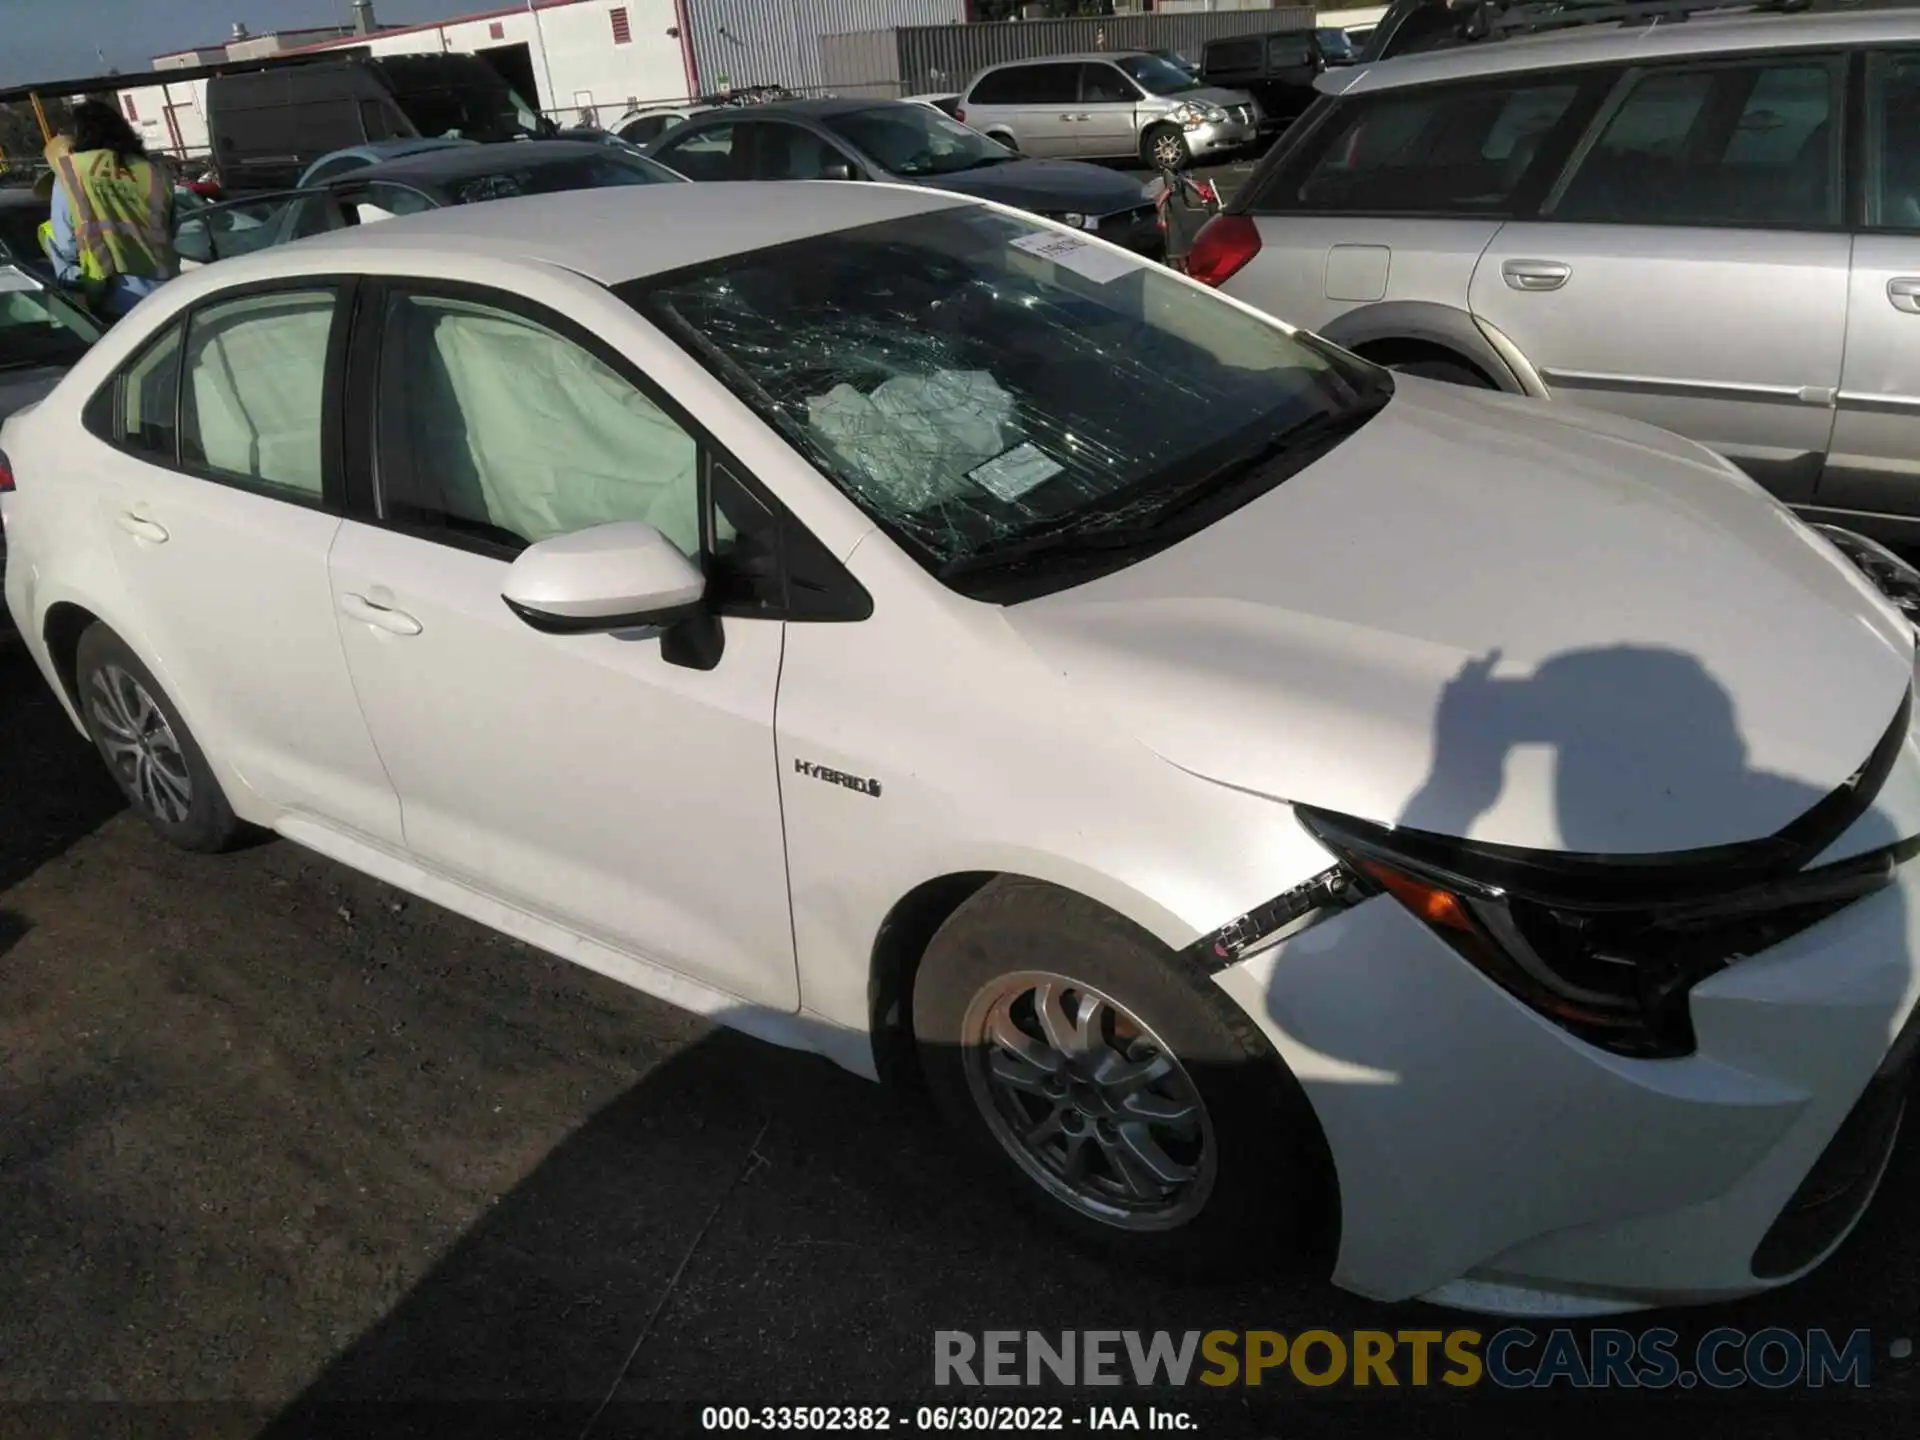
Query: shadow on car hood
[1047,186]
[1488,618]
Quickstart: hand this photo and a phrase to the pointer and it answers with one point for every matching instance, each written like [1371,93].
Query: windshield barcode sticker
[1009,476]
[1096,262]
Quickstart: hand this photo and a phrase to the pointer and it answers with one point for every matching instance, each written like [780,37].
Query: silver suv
[1712,226]
[1108,106]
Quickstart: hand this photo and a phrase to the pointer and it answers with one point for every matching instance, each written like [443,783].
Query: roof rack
[1496,19]
[1414,25]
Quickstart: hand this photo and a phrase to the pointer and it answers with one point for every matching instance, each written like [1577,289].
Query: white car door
[219,491]
[596,780]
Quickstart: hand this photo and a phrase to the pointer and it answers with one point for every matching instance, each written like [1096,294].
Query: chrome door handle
[1069,117]
[1903,293]
[1083,117]
[381,617]
[141,528]
[1535,274]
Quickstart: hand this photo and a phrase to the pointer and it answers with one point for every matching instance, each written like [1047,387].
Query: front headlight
[1885,571]
[1608,949]
[1193,112]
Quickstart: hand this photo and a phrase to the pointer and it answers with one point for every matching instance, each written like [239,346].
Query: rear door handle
[141,528]
[381,617]
[1535,274]
[1903,292]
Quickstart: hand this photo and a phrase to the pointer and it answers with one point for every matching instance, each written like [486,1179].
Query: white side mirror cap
[619,576]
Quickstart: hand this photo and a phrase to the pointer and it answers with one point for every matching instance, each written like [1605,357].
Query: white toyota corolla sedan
[1283,810]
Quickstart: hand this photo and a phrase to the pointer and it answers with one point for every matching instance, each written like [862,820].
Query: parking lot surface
[277,1139]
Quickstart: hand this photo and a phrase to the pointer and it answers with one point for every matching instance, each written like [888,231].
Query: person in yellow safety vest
[112,228]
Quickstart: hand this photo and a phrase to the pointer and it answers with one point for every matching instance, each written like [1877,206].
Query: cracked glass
[976,383]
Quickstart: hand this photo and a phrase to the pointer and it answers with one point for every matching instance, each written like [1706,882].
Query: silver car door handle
[1069,117]
[381,617]
[141,528]
[1903,292]
[1535,274]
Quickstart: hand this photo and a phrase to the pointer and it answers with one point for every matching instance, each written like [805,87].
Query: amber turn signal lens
[1429,902]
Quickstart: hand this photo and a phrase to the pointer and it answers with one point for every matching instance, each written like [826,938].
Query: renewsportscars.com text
[1513,1358]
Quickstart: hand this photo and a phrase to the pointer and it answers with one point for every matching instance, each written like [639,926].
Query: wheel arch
[65,622]
[1396,330]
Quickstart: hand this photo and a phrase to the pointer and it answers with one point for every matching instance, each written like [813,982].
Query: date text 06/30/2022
[978,1419]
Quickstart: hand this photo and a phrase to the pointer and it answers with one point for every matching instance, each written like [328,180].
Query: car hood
[1045,186]
[1487,618]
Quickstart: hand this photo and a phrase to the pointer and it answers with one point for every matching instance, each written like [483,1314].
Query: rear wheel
[1165,148]
[1124,1098]
[148,748]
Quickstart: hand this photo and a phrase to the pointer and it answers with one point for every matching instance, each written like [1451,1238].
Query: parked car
[1278,68]
[893,140]
[1658,224]
[1179,61]
[1109,106]
[42,334]
[642,127]
[793,610]
[430,180]
[269,126]
[947,104]
[358,157]
[22,212]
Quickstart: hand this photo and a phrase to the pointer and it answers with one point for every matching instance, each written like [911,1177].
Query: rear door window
[1752,144]
[1103,85]
[1439,151]
[1893,141]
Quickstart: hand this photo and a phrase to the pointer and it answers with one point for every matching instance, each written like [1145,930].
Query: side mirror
[15,281]
[193,241]
[838,170]
[622,576]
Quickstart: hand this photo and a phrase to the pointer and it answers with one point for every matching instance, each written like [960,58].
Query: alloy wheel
[1089,1102]
[140,745]
[1168,152]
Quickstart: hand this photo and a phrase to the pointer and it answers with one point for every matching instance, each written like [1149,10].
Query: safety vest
[119,216]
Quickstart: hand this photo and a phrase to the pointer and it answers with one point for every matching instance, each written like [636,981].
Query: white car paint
[1141,739]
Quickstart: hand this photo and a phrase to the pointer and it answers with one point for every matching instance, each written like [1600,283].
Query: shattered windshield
[917,140]
[976,382]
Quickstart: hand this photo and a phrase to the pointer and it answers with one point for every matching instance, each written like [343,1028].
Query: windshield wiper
[1077,539]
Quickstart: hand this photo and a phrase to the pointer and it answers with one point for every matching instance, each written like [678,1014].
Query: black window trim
[1839,59]
[804,563]
[179,328]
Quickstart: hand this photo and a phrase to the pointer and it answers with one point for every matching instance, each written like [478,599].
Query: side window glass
[641,131]
[149,393]
[1104,85]
[786,152]
[497,429]
[398,199]
[1452,150]
[1893,141]
[1732,145]
[707,155]
[255,391]
[1055,84]
[1000,87]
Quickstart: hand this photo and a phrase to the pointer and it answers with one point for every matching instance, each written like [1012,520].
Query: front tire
[147,747]
[1165,148]
[1125,1098]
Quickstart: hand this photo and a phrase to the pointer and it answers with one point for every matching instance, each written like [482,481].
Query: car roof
[1077,55]
[1598,44]
[611,235]
[461,162]
[817,109]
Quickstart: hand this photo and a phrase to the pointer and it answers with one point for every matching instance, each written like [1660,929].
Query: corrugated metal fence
[776,42]
[920,58]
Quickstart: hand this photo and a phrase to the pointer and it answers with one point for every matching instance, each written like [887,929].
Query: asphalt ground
[285,1151]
